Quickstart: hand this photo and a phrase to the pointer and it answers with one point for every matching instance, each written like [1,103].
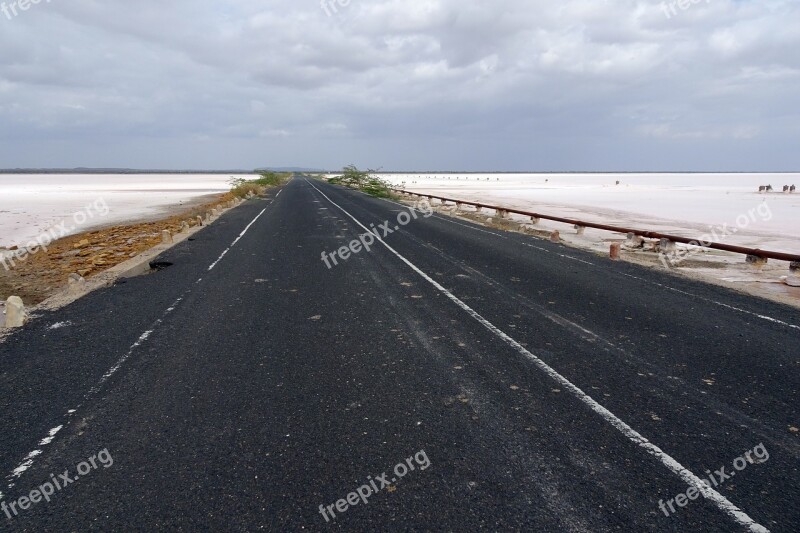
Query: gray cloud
[406,84]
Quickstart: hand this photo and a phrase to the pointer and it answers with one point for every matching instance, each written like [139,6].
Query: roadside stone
[76,283]
[15,312]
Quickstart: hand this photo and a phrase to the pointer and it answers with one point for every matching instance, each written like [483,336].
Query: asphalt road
[522,386]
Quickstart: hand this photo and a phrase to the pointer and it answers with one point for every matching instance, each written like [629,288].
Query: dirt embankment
[38,276]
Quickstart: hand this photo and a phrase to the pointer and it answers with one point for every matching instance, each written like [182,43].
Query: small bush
[241,187]
[363,181]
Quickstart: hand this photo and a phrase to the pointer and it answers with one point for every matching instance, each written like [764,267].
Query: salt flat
[686,204]
[31,204]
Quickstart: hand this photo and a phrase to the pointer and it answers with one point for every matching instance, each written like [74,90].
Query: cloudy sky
[402,84]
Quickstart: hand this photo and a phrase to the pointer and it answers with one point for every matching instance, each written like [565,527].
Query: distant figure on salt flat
[792,188]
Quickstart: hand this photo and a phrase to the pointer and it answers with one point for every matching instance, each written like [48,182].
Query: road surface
[450,378]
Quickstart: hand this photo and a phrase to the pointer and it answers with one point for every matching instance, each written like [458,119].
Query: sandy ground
[31,205]
[44,273]
[728,207]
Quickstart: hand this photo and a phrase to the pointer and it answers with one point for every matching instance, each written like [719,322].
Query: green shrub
[363,181]
[241,187]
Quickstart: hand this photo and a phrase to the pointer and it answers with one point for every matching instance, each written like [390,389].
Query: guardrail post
[666,246]
[613,253]
[793,279]
[756,261]
[634,241]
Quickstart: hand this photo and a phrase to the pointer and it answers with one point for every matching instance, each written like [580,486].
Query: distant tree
[362,180]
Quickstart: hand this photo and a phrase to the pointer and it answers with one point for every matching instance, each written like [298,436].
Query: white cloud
[401,83]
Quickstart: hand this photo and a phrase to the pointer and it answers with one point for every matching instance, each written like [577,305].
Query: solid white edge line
[722,503]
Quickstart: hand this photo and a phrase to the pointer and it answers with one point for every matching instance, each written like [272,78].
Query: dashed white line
[722,503]
[29,459]
[236,240]
[51,435]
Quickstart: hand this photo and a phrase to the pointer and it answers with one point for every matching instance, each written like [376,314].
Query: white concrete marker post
[15,312]
[634,241]
[666,245]
[793,279]
[166,237]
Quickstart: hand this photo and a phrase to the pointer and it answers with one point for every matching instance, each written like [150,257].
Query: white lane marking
[25,465]
[686,293]
[727,306]
[558,254]
[470,227]
[279,193]
[29,459]
[722,503]
[51,435]
[236,240]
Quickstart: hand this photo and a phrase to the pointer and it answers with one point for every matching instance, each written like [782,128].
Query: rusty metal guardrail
[755,252]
